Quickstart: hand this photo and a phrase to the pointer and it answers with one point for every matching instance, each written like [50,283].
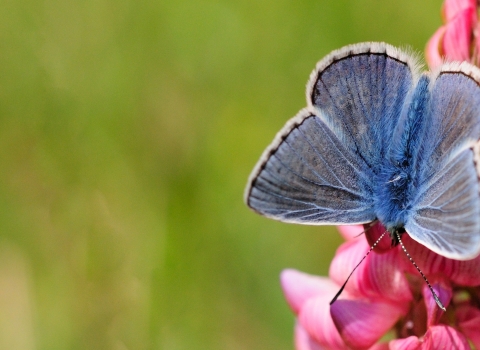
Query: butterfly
[380,141]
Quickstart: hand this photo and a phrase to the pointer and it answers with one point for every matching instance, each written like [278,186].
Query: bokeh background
[127,132]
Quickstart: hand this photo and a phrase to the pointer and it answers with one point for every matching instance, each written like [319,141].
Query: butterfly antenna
[435,296]
[350,275]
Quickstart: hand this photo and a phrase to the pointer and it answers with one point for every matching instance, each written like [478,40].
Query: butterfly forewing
[362,95]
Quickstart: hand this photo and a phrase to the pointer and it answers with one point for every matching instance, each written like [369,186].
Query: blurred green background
[127,132]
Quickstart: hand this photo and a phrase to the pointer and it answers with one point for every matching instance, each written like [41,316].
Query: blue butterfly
[379,140]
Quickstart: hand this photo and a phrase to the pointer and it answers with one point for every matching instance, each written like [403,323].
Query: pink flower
[458,39]
[386,294]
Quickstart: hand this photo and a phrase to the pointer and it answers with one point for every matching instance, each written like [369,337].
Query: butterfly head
[395,233]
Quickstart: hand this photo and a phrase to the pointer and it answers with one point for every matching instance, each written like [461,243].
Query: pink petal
[444,337]
[466,273]
[380,346]
[452,8]
[378,276]
[347,256]
[444,293]
[468,319]
[466,312]
[410,343]
[303,341]
[458,36]
[315,318]
[350,232]
[415,321]
[362,323]
[298,287]
[433,50]
[373,233]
